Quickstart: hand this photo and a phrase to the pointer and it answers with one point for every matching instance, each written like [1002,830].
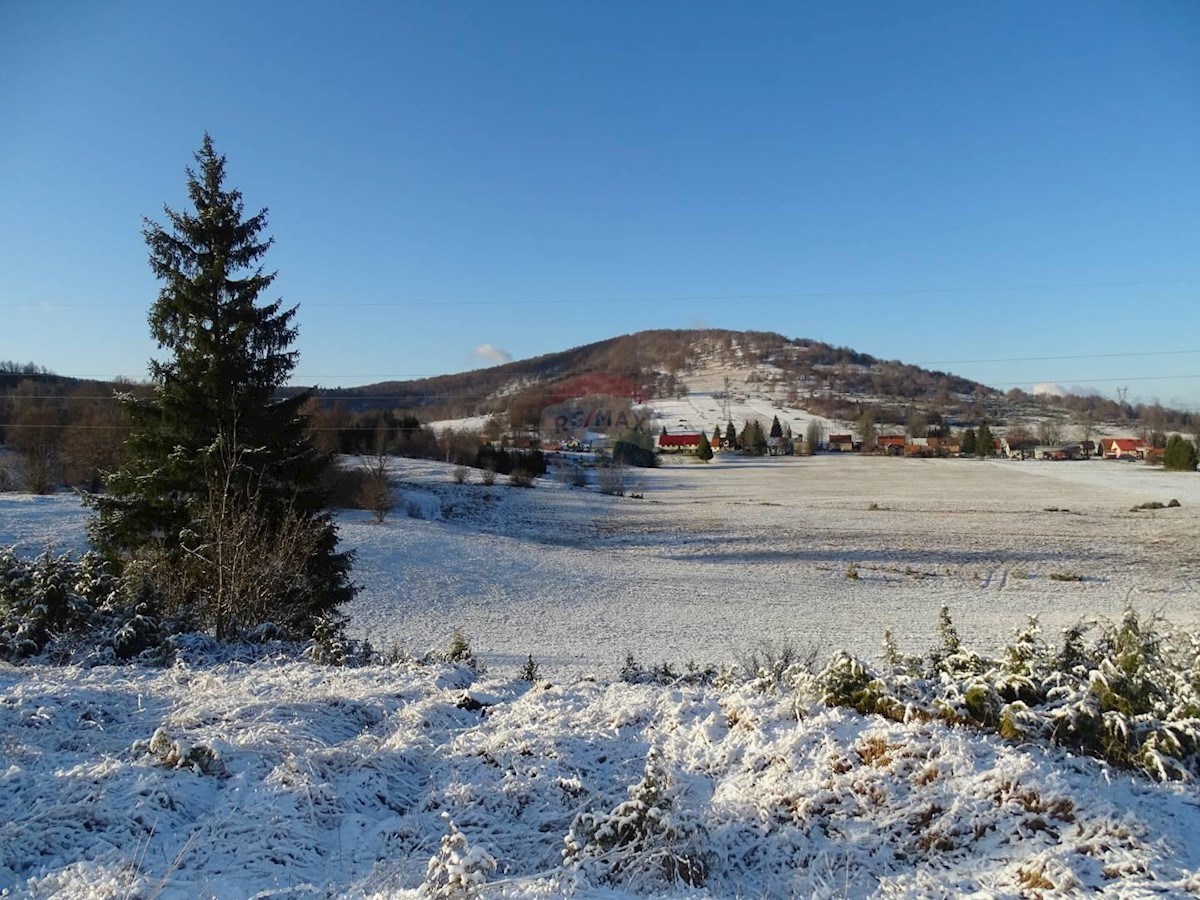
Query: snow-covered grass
[339,782]
[719,557]
[333,781]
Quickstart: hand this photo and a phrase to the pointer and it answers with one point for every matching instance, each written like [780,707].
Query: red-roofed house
[1116,448]
[678,443]
[840,443]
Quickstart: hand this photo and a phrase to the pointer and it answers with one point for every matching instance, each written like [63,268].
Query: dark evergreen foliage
[213,435]
[968,442]
[505,462]
[635,448]
[704,450]
[984,442]
[1180,454]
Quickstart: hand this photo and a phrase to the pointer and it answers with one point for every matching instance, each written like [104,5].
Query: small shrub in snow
[460,474]
[611,480]
[458,871]
[521,478]
[488,477]
[648,840]
[575,476]
[330,646]
[771,664]
[179,754]
[530,671]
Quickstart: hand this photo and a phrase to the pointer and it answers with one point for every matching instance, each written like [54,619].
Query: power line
[691,298]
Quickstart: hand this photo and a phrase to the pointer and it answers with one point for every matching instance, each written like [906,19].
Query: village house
[1019,448]
[892,444]
[840,443]
[1124,448]
[1058,452]
[685,442]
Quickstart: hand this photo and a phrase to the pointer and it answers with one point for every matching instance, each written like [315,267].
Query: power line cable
[692,298]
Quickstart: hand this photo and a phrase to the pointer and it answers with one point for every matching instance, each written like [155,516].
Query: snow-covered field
[717,559]
[333,782]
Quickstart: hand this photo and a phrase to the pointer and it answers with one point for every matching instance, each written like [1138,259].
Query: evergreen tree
[746,438]
[704,449]
[716,438]
[758,440]
[967,442]
[984,444]
[776,428]
[1180,454]
[219,500]
[731,440]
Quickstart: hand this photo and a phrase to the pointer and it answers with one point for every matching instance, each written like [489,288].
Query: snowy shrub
[633,672]
[611,480]
[179,754]
[1131,696]
[329,645]
[460,474]
[847,681]
[458,870]
[460,653]
[488,477]
[575,476]
[522,478]
[648,840]
[771,664]
[530,670]
[61,607]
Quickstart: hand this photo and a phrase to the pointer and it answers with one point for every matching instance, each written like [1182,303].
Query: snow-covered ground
[717,559]
[333,781]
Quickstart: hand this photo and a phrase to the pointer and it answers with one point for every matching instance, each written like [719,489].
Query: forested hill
[659,364]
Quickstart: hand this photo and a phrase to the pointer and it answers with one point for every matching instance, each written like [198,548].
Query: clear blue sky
[537,175]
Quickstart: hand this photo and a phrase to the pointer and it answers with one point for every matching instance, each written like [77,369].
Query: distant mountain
[836,381]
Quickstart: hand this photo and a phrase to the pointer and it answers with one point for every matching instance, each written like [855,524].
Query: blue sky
[943,183]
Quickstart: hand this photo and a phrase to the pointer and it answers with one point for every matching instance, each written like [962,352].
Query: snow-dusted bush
[1130,696]
[649,840]
[56,605]
[180,754]
[457,871]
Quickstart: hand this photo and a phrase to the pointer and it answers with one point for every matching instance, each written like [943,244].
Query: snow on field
[34,523]
[274,778]
[717,559]
[326,781]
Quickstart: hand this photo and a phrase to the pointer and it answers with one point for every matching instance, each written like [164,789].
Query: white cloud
[1048,388]
[492,354]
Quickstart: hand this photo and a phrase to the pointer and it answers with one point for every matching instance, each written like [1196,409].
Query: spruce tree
[984,445]
[731,439]
[704,448]
[967,442]
[716,438]
[758,440]
[1180,454]
[776,428]
[219,500]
